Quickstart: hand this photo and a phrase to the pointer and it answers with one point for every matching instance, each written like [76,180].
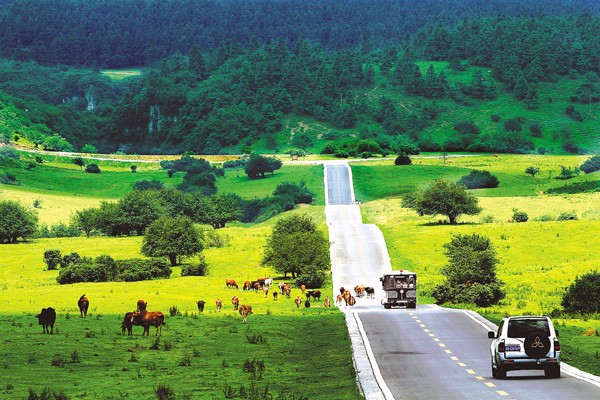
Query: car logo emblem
[537,342]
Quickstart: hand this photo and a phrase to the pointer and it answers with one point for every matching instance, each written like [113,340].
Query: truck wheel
[411,305]
[387,306]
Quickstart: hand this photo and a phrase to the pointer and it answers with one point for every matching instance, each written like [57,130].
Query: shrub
[571,146]
[466,128]
[513,125]
[52,258]
[298,192]
[9,152]
[46,394]
[164,392]
[567,172]
[583,295]
[70,259]
[495,118]
[92,169]
[402,159]
[139,269]
[200,269]
[8,179]
[479,180]
[148,185]
[341,154]
[590,165]
[519,216]
[536,129]
[567,216]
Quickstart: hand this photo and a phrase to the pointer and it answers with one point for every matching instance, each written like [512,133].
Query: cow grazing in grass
[287,289]
[266,291]
[280,287]
[46,319]
[147,319]
[268,282]
[83,303]
[316,294]
[230,283]
[141,305]
[127,324]
[298,301]
[236,302]
[370,292]
[275,295]
[245,311]
[219,304]
[201,304]
[247,286]
[327,302]
[303,288]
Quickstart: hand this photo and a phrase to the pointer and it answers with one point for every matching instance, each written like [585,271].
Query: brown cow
[245,311]
[303,288]
[219,304]
[141,305]
[352,301]
[46,319]
[338,299]
[247,286]
[280,286]
[127,324]
[359,290]
[298,301]
[83,303]
[236,302]
[149,318]
[327,302]
[287,289]
[266,291]
[347,296]
[230,283]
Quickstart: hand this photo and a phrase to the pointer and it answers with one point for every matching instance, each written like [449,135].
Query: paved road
[426,353]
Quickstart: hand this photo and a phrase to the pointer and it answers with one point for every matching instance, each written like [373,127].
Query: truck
[400,288]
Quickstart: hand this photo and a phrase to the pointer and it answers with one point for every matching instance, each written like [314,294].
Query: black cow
[201,305]
[47,318]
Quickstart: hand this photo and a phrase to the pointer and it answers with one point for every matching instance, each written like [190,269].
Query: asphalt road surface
[425,353]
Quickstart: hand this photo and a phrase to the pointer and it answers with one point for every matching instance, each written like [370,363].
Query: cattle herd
[144,318]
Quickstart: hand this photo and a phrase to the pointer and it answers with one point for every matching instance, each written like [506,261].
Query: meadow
[208,355]
[539,258]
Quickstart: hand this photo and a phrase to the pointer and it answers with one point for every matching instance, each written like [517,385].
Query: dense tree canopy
[172,238]
[445,198]
[16,221]
[296,247]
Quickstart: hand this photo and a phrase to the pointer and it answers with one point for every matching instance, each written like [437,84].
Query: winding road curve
[429,352]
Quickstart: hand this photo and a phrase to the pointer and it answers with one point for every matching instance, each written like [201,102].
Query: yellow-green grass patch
[120,74]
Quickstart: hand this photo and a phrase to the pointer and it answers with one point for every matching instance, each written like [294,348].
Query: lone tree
[171,237]
[16,221]
[258,165]
[445,198]
[470,272]
[298,248]
[531,170]
[79,161]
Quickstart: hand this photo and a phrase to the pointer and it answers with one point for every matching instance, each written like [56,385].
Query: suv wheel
[552,371]
[537,345]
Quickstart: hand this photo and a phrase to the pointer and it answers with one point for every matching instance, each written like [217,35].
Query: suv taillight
[556,345]
[501,346]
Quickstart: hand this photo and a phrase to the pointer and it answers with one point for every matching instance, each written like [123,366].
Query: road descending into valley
[425,353]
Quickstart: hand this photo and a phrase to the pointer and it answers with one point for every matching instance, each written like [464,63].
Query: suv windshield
[521,328]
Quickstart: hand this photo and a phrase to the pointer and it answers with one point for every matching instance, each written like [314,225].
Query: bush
[519,216]
[483,295]
[567,172]
[92,169]
[578,187]
[583,295]
[139,269]
[8,179]
[591,164]
[402,159]
[495,118]
[536,129]
[572,147]
[466,128]
[299,193]
[479,180]
[200,269]
[52,258]
[9,152]
[311,278]
[513,125]
[148,185]
[567,216]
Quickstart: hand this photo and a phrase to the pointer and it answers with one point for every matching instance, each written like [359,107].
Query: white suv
[528,342]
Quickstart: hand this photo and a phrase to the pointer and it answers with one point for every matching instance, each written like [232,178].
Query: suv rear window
[521,328]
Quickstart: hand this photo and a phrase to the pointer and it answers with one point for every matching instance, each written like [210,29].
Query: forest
[220,76]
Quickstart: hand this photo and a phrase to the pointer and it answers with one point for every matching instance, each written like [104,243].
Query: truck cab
[400,288]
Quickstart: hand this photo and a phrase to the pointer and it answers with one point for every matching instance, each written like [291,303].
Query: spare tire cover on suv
[537,345]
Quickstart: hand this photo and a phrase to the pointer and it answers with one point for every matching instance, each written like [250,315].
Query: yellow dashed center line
[454,358]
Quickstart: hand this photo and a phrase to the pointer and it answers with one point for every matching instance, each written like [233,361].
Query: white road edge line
[566,368]
[387,394]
